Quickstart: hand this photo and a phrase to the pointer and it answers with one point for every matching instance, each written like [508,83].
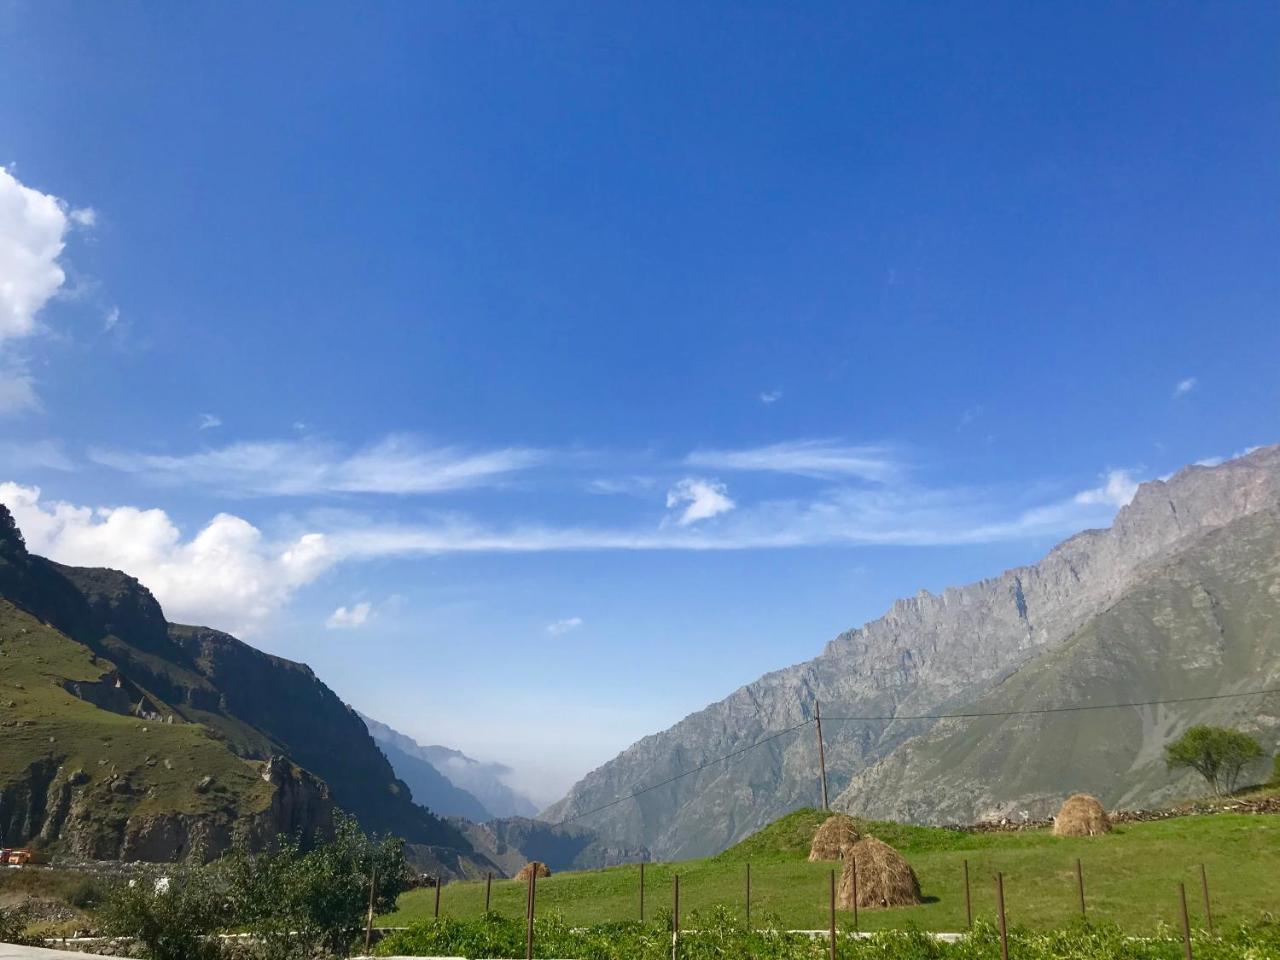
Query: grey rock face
[928,654]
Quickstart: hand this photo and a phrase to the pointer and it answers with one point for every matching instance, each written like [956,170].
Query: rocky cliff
[129,737]
[928,654]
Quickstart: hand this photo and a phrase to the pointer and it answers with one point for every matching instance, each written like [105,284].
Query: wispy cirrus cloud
[820,459]
[305,467]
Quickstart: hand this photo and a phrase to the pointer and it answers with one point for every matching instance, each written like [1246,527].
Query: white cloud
[769,397]
[33,228]
[84,217]
[1118,489]
[395,465]
[111,320]
[705,499]
[821,459]
[208,421]
[227,575]
[1184,387]
[561,627]
[348,618]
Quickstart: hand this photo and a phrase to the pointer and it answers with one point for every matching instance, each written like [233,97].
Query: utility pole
[822,754]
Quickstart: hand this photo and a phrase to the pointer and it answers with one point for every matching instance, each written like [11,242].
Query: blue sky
[541,373]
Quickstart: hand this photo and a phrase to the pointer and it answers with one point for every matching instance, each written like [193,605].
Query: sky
[540,373]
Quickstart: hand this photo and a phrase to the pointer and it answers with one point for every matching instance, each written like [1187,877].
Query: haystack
[835,833]
[1081,816]
[885,879]
[533,866]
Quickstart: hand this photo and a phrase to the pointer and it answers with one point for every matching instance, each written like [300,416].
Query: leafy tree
[299,903]
[173,917]
[1216,753]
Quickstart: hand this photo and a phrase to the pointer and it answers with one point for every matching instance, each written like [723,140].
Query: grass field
[1131,878]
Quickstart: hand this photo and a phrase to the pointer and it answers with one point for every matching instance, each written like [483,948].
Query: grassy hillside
[1131,877]
[47,726]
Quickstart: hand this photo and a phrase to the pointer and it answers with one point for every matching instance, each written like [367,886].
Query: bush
[13,926]
[86,892]
[1216,753]
[174,917]
[299,904]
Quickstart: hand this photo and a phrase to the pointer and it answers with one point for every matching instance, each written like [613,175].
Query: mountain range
[448,781]
[1179,598]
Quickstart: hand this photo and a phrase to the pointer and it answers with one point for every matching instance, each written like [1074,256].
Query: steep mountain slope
[482,780]
[928,654]
[432,788]
[97,648]
[1206,620]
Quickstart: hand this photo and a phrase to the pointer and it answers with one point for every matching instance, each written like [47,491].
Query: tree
[1216,753]
[298,903]
[174,917]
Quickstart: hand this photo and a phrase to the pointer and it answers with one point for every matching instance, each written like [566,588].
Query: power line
[687,773]
[1043,710]
[921,716]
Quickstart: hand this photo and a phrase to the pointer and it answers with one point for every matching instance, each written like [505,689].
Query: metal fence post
[438,884]
[748,894]
[533,900]
[675,918]
[968,900]
[488,889]
[642,891]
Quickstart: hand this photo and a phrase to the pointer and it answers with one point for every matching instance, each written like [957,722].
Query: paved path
[11,951]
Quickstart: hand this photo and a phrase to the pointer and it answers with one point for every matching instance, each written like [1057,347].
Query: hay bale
[836,832]
[532,866]
[1081,816]
[885,879]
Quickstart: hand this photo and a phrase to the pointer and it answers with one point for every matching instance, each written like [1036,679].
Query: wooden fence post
[368,924]
[1204,889]
[533,900]
[748,894]
[968,900]
[1004,928]
[853,872]
[1080,884]
[488,889]
[1186,920]
[438,884]
[833,915]
[642,891]
[675,918]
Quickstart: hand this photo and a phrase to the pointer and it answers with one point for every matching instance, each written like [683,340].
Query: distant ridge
[463,777]
[1178,594]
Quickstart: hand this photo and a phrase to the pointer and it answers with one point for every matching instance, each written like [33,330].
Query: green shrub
[13,925]
[298,904]
[719,935]
[174,917]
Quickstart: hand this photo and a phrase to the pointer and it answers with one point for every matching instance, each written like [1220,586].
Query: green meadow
[1131,879]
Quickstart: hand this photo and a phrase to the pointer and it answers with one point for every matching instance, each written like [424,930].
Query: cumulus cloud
[348,618]
[1117,489]
[561,627]
[704,498]
[1183,387]
[395,465]
[227,575]
[33,227]
[821,459]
